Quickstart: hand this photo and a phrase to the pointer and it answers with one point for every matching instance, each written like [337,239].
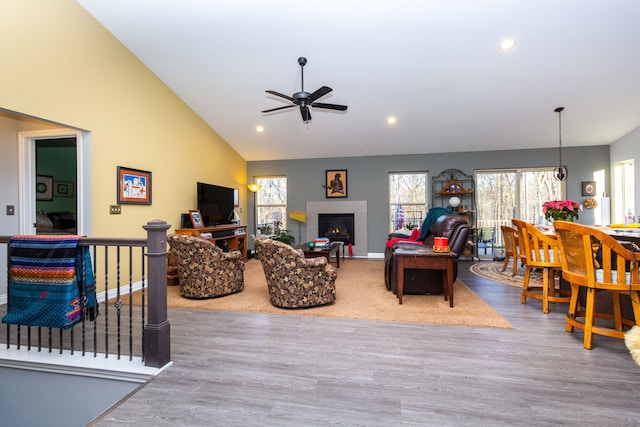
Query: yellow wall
[60,64]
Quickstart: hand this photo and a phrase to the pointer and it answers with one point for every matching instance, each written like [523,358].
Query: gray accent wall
[367,178]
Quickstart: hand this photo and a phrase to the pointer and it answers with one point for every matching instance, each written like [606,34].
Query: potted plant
[277,227]
[285,237]
[565,210]
[410,226]
[265,229]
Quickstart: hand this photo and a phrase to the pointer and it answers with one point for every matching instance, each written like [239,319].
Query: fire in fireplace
[337,227]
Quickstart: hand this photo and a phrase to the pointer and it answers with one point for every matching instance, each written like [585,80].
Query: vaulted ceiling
[435,65]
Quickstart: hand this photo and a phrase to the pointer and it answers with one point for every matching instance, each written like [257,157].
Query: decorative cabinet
[456,190]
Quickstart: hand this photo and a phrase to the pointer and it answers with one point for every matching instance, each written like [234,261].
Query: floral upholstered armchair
[293,280]
[204,270]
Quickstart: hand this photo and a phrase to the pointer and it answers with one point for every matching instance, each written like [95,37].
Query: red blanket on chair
[415,233]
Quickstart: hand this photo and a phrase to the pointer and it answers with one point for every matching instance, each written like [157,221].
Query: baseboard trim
[100,366]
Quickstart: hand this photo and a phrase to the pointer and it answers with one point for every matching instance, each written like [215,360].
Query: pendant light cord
[559,110]
[560,174]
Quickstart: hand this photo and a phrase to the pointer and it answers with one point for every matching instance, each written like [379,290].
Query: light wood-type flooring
[242,369]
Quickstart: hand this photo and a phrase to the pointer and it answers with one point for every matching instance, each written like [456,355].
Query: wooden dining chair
[511,248]
[542,251]
[597,273]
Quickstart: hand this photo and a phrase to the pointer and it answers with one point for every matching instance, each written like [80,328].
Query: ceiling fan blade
[329,106]
[319,93]
[273,92]
[306,114]
[278,108]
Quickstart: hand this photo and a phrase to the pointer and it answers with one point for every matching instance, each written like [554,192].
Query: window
[508,193]
[407,200]
[271,201]
[623,191]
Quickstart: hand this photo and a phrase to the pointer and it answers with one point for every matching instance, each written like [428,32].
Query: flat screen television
[215,204]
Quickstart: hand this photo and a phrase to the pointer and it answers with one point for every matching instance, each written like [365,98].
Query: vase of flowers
[564,210]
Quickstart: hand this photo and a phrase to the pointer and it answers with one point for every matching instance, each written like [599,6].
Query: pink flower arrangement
[565,210]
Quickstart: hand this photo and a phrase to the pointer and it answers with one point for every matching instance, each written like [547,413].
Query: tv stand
[230,236]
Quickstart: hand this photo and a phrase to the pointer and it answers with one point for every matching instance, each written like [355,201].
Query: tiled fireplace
[357,208]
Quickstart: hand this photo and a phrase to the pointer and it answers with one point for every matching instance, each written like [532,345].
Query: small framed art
[63,189]
[44,187]
[588,188]
[335,183]
[134,186]
[196,218]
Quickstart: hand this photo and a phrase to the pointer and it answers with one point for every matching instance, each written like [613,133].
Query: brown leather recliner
[450,225]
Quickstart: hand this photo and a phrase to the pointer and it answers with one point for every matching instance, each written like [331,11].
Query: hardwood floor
[242,369]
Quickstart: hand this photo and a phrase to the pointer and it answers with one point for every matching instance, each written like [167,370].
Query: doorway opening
[56,189]
[54,168]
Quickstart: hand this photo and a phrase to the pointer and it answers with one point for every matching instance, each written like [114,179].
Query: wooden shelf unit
[235,242]
[454,182]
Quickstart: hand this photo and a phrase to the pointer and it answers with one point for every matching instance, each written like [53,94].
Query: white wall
[9,128]
[626,148]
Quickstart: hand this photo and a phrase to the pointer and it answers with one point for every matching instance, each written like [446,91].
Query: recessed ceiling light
[259,128]
[391,120]
[507,44]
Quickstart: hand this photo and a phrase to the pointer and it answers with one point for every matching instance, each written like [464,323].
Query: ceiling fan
[305,99]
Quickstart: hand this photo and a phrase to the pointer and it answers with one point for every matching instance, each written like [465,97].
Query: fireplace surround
[359,210]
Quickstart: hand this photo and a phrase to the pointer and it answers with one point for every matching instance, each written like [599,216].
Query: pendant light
[560,173]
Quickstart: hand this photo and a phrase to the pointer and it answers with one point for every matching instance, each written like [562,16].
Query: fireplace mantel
[358,208]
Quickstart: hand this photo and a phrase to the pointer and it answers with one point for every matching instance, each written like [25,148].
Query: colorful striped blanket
[49,277]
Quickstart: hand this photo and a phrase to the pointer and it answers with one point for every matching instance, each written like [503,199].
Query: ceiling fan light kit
[303,99]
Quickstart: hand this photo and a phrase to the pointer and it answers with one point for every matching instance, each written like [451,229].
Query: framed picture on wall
[335,183]
[134,186]
[44,187]
[588,188]
[63,189]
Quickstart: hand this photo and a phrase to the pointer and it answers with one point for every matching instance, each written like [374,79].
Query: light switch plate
[115,209]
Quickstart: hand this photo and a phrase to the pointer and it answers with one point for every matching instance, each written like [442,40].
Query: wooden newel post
[157,336]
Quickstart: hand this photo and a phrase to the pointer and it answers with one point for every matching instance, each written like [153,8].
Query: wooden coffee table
[326,252]
[423,257]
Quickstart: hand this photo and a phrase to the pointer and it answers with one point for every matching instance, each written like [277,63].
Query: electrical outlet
[11,210]
[115,209]
[240,210]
